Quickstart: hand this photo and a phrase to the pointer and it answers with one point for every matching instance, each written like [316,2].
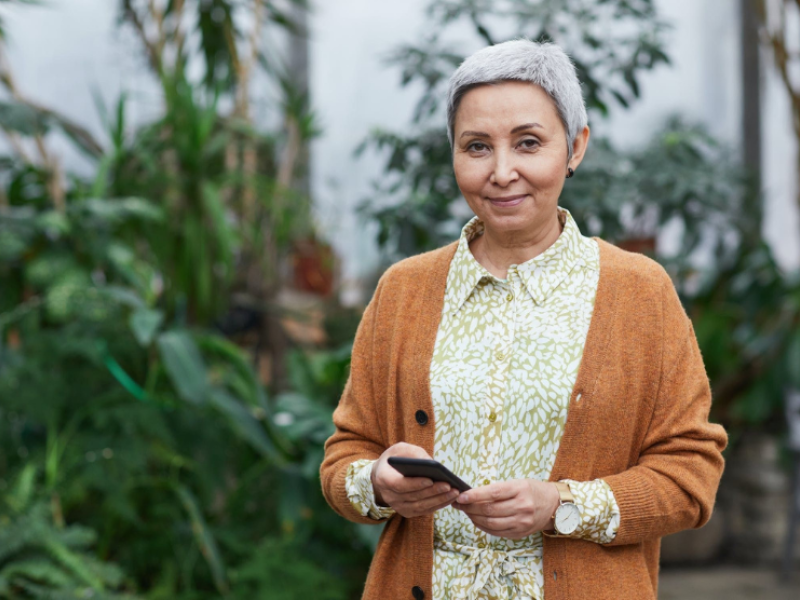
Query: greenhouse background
[197,198]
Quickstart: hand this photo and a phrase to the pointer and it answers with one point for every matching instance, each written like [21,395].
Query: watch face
[568,517]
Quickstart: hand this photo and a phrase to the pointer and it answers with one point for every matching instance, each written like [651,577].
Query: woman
[556,374]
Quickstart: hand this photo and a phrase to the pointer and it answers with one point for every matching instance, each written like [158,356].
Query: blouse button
[422,417]
[492,418]
[486,482]
[501,355]
[510,297]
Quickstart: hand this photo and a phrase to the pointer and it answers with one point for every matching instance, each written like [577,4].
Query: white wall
[702,84]
[63,51]
[353,91]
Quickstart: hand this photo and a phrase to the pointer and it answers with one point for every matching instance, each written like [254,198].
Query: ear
[579,148]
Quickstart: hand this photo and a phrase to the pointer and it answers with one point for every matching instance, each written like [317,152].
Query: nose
[505,169]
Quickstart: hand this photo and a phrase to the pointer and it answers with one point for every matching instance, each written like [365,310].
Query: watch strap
[565,497]
[564,492]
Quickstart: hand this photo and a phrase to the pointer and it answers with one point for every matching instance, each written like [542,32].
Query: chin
[508,222]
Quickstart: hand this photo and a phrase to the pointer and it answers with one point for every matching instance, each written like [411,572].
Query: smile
[507,201]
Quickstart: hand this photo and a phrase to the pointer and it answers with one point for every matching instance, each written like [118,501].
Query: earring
[570,172]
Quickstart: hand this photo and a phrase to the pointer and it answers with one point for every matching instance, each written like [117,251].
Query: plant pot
[313,264]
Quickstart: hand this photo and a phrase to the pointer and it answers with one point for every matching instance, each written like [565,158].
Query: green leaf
[53,223]
[620,98]
[41,571]
[184,365]
[20,496]
[45,269]
[243,422]
[124,296]
[73,562]
[235,361]
[22,119]
[204,538]
[293,502]
[145,323]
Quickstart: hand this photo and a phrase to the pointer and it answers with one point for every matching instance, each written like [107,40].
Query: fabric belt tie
[487,566]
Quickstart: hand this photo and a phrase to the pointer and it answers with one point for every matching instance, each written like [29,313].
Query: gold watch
[567,516]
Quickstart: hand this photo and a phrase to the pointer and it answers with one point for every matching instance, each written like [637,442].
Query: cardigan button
[417,592]
[422,419]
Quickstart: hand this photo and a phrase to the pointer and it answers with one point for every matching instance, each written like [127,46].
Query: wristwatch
[567,516]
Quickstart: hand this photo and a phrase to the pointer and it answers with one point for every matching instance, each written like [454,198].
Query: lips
[507,201]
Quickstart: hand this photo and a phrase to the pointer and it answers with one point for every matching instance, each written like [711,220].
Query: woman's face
[510,156]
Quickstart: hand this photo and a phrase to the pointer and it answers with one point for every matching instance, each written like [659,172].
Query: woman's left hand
[511,509]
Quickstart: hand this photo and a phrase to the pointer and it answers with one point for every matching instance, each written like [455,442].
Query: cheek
[544,173]
[471,175]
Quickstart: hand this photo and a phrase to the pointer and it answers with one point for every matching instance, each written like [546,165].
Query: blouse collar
[540,275]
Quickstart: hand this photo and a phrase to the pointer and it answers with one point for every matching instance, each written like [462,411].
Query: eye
[477,147]
[529,143]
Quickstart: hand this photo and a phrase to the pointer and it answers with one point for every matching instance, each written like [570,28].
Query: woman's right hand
[408,496]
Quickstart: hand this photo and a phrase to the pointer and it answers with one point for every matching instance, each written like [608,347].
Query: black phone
[427,467]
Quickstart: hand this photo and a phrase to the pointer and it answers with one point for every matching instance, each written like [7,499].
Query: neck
[497,251]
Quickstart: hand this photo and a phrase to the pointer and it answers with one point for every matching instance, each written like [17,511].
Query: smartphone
[427,467]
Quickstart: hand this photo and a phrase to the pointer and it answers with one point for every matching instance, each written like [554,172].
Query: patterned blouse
[504,365]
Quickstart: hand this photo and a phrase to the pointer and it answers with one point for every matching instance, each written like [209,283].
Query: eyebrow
[519,128]
[516,129]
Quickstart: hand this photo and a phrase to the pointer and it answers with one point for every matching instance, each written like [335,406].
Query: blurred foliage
[140,454]
[158,439]
[43,559]
[610,41]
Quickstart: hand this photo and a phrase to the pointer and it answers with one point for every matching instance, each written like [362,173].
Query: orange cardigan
[637,417]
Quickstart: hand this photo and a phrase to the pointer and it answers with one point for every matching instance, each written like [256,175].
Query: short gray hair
[545,65]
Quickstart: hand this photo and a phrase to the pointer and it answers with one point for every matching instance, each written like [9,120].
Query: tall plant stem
[244,75]
[48,161]
[774,26]
[153,54]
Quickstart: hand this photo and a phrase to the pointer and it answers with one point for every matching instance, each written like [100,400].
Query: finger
[509,534]
[415,496]
[426,493]
[448,502]
[432,503]
[502,525]
[408,450]
[402,484]
[494,492]
[504,508]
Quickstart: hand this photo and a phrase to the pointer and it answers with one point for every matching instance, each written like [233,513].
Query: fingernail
[463,498]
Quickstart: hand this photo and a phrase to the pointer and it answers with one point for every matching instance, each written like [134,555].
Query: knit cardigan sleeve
[674,483]
[357,435]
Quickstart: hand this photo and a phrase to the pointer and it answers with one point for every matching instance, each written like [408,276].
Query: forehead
[498,105]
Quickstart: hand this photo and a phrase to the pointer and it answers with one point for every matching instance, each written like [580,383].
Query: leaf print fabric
[358,483]
[599,510]
[504,365]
